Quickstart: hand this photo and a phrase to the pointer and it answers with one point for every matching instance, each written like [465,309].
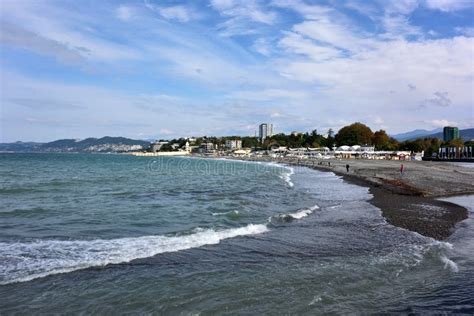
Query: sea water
[97,233]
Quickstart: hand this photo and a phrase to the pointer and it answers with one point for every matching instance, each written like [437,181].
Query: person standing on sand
[347,167]
[401,169]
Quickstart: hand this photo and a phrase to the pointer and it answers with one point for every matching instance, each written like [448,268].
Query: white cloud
[324,66]
[49,109]
[235,26]
[165,131]
[403,7]
[67,27]
[449,5]
[180,13]
[262,46]
[124,13]
[363,7]
[334,33]
[295,43]
[468,31]
[398,26]
[222,5]
[439,99]
[249,9]
[269,94]
[18,37]
[441,123]
[307,11]
[242,17]
[367,81]
[394,59]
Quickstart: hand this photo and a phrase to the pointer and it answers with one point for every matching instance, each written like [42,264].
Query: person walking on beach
[401,169]
[347,167]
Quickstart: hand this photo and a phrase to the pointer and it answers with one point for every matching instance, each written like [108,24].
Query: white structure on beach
[160,153]
[342,152]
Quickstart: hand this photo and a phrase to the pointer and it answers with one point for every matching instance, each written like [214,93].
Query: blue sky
[161,69]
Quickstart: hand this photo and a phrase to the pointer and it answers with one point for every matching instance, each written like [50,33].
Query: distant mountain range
[416,134]
[466,134]
[122,144]
[104,144]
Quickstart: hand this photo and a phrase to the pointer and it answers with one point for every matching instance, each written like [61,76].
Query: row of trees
[354,134]
[360,134]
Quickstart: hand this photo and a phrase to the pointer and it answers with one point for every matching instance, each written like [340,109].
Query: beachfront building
[265,130]
[156,146]
[207,148]
[465,152]
[233,144]
[355,151]
[450,133]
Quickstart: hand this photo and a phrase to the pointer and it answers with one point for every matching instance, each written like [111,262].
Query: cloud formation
[175,68]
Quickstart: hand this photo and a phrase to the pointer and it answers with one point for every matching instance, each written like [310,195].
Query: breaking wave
[286,176]
[22,262]
[292,216]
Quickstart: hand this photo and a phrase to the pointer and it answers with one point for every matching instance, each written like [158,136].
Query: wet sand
[406,200]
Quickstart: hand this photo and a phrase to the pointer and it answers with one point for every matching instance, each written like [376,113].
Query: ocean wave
[413,255]
[27,261]
[285,176]
[304,212]
[292,216]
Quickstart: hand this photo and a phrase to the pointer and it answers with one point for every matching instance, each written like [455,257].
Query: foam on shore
[291,216]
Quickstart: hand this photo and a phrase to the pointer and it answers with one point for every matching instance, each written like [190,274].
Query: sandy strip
[406,200]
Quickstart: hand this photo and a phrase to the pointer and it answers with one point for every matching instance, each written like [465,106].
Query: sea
[118,234]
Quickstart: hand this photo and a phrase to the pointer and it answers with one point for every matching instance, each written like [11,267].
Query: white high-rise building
[233,144]
[265,130]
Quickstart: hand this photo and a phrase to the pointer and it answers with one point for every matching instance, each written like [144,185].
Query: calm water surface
[85,233]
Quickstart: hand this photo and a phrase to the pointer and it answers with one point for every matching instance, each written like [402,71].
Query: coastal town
[355,141]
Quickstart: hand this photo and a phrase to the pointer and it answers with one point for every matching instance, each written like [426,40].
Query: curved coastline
[402,203]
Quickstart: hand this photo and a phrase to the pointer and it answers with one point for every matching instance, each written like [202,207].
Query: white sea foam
[287,176]
[448,263]
[27,261]
[303,213]
[225,213]
[297,215]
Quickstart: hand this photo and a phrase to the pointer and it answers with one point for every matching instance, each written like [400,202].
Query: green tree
[250,142]
[381,140]
[457,142]
[354,134]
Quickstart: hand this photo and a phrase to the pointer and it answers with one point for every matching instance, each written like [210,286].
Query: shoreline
[402,203]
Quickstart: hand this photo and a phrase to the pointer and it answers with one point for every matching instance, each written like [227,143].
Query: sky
[150,69]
